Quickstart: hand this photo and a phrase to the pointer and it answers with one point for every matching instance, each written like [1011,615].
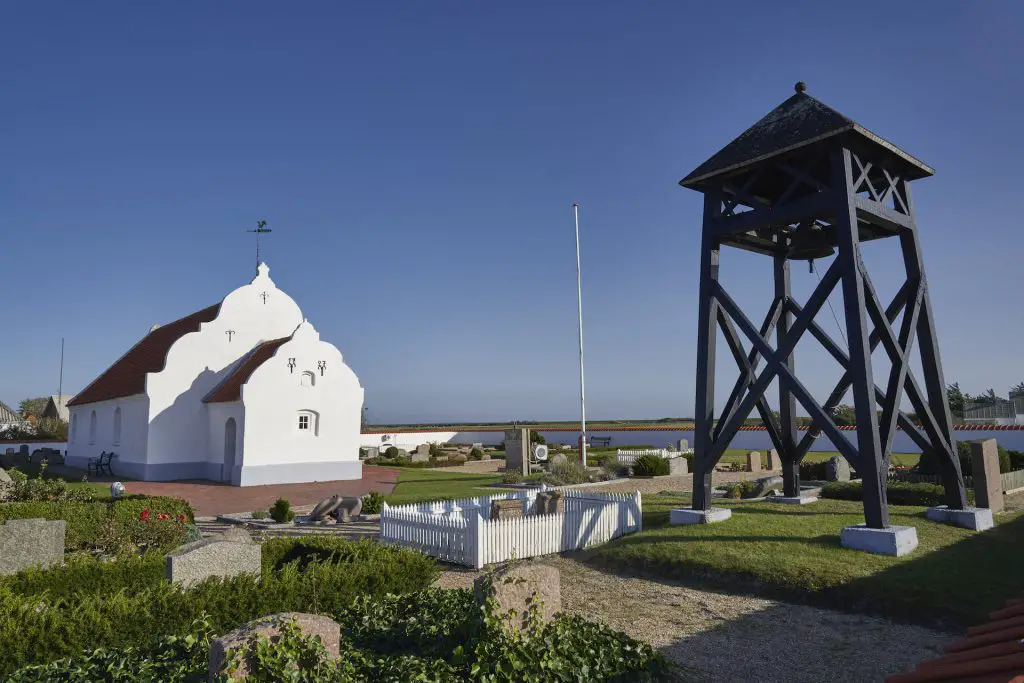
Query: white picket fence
[628,456]
[460,531]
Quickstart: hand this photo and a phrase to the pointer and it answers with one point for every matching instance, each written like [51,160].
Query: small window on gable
[308,379]
[308,423]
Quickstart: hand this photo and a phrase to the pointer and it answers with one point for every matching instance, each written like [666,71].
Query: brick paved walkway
[211,498]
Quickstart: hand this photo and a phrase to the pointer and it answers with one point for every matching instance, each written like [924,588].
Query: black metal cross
[263,295]
[230,333]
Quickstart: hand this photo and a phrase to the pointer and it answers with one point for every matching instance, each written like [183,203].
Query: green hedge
[438,636]
[651,466]
[56,621]
[929,465]
[897,492]
[89,523]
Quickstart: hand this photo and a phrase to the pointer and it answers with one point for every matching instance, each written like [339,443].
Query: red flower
[145,515]
[181,518]
[162,516]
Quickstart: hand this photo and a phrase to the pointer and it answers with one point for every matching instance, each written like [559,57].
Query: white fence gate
[459,531]
[628,456]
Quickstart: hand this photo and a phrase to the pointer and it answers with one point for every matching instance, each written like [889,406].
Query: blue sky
[418,162]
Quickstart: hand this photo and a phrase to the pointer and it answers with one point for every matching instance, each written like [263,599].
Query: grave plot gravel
[717,636]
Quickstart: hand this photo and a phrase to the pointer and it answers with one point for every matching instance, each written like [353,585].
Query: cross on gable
[263,295]
[230,333]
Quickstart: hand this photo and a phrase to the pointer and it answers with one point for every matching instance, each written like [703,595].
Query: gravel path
[716,636]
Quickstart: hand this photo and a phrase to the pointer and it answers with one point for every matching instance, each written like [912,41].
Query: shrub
[441,636]
[739,489]
[320,575]
[612,468]
[259,514]
[281,511]
[392,452]
[897,492]
[1016,461]
[511,477]
[112,524]
[650,466]
[814,471]
[567,473]
[435,450]
[37,487]
[372,502]
[929,465]
[454,460]
[476,454]
[536,437]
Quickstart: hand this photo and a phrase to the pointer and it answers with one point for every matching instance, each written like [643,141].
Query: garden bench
[98,465]
[600,440]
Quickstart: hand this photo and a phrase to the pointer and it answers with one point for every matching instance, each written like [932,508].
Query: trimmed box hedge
[43,619]
[87,522]
[897,492]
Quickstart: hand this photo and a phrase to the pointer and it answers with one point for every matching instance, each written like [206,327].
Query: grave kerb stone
[193,562]
[32,542]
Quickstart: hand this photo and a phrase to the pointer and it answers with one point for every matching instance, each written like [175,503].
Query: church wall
[130,448]
[179,439]
[218,415]
[276,449]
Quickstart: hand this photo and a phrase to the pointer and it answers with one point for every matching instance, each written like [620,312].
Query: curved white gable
[306,376]
[197,362]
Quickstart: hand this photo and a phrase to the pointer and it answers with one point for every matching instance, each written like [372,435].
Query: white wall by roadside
[754,440]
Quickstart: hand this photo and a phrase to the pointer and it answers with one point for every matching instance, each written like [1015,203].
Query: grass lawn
[738,456]
[955,575]
[419,485]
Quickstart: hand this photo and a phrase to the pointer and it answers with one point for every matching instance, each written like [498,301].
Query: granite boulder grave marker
[28,543]
[838,469]
[242,639]
[517,588]
[422,453]
[193,562]
[506,509]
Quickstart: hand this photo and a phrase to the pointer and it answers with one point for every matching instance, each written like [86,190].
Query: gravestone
[774,461]
[558,460]
[506,509]
[550,502]
[349,507]
[326,630]
[193,562]
[28,543]
[765,484]
[23,451]
[372,452]
[838,469]
[323,509]
[754,461]
[422,453]
[518,587]
[678,466]
[517,445]
[988,488]
[684,445]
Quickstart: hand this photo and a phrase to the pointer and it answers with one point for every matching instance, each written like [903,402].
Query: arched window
[92,428]
[308,423]
[74,427]
[308,379]
[117,426]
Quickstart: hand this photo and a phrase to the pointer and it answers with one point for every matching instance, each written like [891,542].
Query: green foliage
[929,465]
[192,533]
[955,398]
[435,450]
[392,452]
[111,525]
[38,487]
[1016,460]
[536,437]
[844,415]
[650,466]
[897,492]
[51,428]
[259,514]
[128,605]
[739,489]
[814,471]
[476,454]
[511,477]
[33,406]
[372,502]
[567,473]
[281,511]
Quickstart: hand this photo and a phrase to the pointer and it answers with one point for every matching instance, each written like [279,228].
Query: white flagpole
[579,300]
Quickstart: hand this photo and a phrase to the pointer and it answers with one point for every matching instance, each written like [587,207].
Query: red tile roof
[230,388]
[127,376]
[991,652]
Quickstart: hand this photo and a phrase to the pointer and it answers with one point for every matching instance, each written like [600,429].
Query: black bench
[98,465]
[600,441]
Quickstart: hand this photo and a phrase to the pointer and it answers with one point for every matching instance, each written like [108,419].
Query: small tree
[955,397]
[844,415]
[536,437]
[33,406]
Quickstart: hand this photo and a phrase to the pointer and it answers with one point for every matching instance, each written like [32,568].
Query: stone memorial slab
[838,469]
[549,502]
[988,488]
[506,509]
[754,461]
[684,445]
[193,562]
[517,589]
[28,543]
[221,649]
[422,453]
[517,444]
[678,466]
[774,461]
[691,516]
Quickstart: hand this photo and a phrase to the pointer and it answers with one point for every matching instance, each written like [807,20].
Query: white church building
[243,391]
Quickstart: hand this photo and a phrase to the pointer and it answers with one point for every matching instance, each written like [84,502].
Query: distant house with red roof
[243,391]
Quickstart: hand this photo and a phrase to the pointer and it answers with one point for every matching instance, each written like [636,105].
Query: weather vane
[261,227]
